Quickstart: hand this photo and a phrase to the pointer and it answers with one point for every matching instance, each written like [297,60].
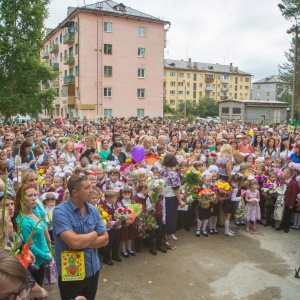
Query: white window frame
[142,31]
[107,27]
[172,74]
[140,112]
[141,93]
[141,52]
[107,112]
[108,71]
[172,92]
[107,92]
[141,73]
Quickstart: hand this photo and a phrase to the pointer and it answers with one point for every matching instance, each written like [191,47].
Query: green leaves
[21,71]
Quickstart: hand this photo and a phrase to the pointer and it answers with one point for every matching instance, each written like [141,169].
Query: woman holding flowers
[32,228]
[171,191]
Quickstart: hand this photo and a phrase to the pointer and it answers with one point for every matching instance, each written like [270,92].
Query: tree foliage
[286,70]
[168,109]
[21,71]
[206,106]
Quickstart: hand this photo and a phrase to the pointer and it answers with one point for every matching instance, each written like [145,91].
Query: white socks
[227,226]
[203,223]
[128,245]
[296,220]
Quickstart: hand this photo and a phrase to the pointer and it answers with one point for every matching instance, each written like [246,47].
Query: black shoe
[125,254]
[162,249]
[215,231]
[197,233]
[267,224]
[211,232]
[153,251]
[259,222]
[108,262]
[205,233]
[279,228]
[118,259]
[131,253]
[287,230]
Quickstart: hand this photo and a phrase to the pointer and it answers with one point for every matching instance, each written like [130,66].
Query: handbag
[50,273]
[72,265]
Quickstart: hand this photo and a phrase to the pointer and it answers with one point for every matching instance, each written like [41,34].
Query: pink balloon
[138,153]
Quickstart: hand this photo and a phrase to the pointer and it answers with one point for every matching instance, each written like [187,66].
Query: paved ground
[248,266]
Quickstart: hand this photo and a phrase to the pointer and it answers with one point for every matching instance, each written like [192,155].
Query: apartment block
[269,88]
[187,80]
[109,59]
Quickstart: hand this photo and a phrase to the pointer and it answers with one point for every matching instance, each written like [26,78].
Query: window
[220,86]
[230,87]
[76,48]
[268,93]
[141,73]
[241,87]
[241,79]
[76,71]
[188,84]
[194,86]
[141,93]
[140,113]
[108,71]
[172,83]
[60,57]
[194,94]
[225,110]
[107,49]
[195,77]
[180,101]
[188,93]
[76,92]
[141,52]
[188,75]
[180,83]
[247,88]
[172,92]
[247,79]
[107,92]
[173,74]
[200,94]
[258,87]
[75,26]
[181,74]
[107,27]
[165,73]
[235,95]
[180,92]
[246,94]
[226,77]
[200,85]
[201,76]
[236,110]
[60,38]
[172,101]
[108,113]
[236,80]
[142,31]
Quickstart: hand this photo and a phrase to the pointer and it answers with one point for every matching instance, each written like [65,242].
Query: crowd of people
[64,184]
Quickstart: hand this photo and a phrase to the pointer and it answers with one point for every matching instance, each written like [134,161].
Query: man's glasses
[29,136]
[8,140]
[23,293]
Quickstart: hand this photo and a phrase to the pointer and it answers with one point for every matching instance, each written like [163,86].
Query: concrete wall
[264,91]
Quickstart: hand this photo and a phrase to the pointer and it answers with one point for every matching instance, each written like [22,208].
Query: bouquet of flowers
[241,212]
[144,222]
[280,202]
[270,191]
[106,218]
[155,186]
[122,213]
[210,158]
[223,189]
[192,179]
[133,174]
[206,197]
[117,186]
[49,219]
[185,196]
[260,179]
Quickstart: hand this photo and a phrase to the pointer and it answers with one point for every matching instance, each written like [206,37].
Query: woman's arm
[229,168]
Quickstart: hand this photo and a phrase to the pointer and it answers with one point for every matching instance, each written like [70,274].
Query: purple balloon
[138,153]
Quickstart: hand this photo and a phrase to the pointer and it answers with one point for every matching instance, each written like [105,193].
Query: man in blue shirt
[77,225]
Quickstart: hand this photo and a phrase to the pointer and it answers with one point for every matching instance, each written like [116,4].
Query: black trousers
[86,287]
[39,275]
[113,244]
[159,232]
[269,213]
[286,220]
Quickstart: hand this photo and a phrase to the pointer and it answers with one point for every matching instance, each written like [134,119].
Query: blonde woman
[69,154]
[224,162]
[89,143]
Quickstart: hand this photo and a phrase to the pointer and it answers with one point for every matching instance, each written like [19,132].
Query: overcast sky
[249,33]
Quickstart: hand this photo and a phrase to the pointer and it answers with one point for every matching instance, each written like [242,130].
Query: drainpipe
[97,64]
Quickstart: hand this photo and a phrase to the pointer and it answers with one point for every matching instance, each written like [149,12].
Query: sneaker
[228,233]
[231,231]
[174,237]
[238,223]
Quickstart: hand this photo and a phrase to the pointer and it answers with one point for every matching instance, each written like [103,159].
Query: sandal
[254,229]
[171,247]
[247,229]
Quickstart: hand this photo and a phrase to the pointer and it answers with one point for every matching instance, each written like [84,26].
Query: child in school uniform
[111,251]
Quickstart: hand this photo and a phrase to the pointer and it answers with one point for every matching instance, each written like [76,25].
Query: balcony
[209,78]
[55,67]
[44,55]
[71,100]
[209,88]
[57,101]
[53,48]
[224,90]
[69,59]
[69,38]
[225,80]
[56,82]
[69,80]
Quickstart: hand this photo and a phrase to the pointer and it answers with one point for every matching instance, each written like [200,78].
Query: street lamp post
[282,7]
[184,99]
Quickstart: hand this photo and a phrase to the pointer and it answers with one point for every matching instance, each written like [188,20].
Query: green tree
[207,107]
[167,109]
[21,70]
[291,11]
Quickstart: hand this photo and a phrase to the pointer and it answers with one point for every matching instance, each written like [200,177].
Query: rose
[120,210]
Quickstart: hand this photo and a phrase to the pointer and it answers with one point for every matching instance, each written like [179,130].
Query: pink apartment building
[110,61]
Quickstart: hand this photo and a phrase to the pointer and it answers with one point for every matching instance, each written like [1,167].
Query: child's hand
[153,205]
[118,223]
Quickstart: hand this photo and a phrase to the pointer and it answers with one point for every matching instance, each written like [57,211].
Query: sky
[251,34]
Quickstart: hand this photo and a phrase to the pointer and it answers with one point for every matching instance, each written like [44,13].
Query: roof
[256,102]
[205,67]
[269,79]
